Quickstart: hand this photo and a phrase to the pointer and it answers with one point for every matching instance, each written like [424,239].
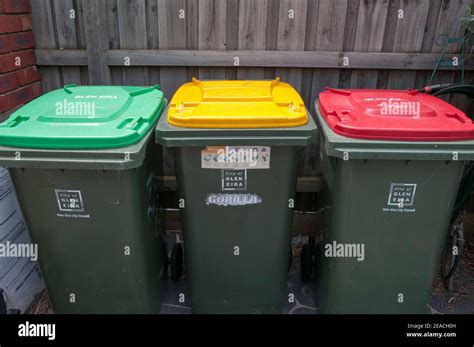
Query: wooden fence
[308,43]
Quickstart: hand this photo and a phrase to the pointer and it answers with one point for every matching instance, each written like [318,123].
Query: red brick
[4,103]
[8,61]
[5,44]
[5,115]
[25,22]
[8,82]
[9,24]
[22,40]
[16,6]
[19,96]
[27,57]
[28,75]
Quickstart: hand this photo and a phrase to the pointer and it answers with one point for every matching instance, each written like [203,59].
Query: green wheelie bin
[393,161]
[84,160]
[236,146]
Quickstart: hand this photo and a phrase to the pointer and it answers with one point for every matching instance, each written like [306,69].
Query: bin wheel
[176,262]
[306,262]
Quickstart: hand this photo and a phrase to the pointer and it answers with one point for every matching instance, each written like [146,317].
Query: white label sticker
[402,194]
[235,157]
[401,197]
[234,179]
[70,201]
[233,199]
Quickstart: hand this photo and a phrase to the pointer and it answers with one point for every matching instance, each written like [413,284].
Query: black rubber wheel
[306,263]
[176,262]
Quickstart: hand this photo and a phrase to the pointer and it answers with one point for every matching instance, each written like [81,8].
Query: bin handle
[137,124]
[145,90]
[338,91]
[274,82]
[16,121]
[67,86]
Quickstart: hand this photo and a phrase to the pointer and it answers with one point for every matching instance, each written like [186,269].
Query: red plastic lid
[393,115]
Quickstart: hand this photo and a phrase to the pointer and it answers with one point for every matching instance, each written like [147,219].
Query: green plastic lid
[84,117]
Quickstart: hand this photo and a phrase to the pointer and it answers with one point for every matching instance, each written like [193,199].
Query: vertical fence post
[97,41]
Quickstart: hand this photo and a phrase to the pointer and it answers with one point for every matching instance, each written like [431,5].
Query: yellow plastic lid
[237,104]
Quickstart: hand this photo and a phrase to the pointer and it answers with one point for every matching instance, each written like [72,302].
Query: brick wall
[19,78]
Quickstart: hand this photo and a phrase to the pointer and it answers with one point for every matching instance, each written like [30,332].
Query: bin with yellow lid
[236,145]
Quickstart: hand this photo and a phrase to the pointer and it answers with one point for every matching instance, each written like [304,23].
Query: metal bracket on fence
[445,40]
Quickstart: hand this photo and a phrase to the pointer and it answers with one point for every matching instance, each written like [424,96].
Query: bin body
[93,214]
[254,281]
[236,219]
[395,199]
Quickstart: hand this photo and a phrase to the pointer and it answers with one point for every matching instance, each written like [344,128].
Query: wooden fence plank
[297,59]
[428,39]
[329,37]
[212,33]
[132,34]
[232,33]
[330,28]
[252,33]
[97,41]
[152,38]
[409,35]
[44,30]
[66,35]
[192,34]
[309,45]
[291,30]
[116,73]
[271,34]
[81,38]
[172,35]
[389,38]
[291,37]
[350,31]
[370,29]
[152,24]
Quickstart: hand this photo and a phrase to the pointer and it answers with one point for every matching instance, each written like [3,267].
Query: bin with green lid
[84,162]
[393,161]
[236,147]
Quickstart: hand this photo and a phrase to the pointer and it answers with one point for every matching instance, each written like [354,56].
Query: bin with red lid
[393,161]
